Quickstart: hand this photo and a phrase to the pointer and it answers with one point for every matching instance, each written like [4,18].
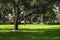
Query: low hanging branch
[20,19]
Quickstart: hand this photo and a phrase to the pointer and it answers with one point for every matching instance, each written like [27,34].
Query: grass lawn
[30,32]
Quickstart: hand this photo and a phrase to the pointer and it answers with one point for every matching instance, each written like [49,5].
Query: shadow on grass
[31,34]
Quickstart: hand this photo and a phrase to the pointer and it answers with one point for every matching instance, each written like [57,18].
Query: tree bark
[16,18]
[16,24]
[41,18]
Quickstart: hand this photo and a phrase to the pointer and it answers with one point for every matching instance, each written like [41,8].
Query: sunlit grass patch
[7,28]
[30,32]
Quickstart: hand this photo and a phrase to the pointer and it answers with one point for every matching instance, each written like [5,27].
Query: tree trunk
[16,18]
[16,24]
[24,18]
[41,18]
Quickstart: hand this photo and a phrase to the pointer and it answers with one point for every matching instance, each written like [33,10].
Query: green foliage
[37,6]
